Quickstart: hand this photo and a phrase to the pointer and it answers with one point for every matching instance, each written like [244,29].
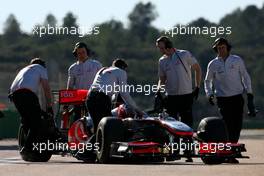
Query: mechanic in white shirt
[81,74]
[227,79]
[175,71]
[23,92]
[108,82]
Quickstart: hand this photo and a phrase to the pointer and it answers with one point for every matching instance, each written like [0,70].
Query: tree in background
[70,20]
[50,20]
[140,19]
[12,29]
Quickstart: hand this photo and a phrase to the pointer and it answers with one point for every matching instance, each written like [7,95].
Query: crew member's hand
[211,100]
[251,107]
[195,93]
[158,94]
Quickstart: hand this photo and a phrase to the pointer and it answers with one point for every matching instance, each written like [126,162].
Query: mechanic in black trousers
[175,72]
[227,79]
[23,93]
[108,82]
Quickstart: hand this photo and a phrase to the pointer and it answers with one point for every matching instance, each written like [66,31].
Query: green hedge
[9,124]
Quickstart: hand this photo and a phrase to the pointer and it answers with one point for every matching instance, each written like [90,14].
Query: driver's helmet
[123,111]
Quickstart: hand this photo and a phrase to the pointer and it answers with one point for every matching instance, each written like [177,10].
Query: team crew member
[81,74]
[23,93]
[175,68]
[227,79]
[108,82]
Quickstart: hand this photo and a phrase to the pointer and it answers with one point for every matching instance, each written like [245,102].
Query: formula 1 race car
[128,137]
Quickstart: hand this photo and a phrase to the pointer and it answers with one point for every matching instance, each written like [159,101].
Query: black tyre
[212,129]
[28,154]
[212,160]
[109,130]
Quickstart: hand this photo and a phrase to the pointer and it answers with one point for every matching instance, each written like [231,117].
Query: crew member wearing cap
[23,92]
[227,79]
[108,82]
[175,71]
[81,74]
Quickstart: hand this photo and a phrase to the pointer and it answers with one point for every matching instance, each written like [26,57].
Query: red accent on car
[144,147]
[77,134]
[77,96]
[215,148]
[139,143]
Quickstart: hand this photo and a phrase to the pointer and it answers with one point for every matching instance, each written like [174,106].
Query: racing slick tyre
[212,130]
[110,129]
[212,160]
[28,154]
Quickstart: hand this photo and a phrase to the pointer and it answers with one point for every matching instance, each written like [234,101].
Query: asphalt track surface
[11,163]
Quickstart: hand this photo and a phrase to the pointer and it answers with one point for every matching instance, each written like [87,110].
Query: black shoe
[173,158]
[232,161]
[189,160]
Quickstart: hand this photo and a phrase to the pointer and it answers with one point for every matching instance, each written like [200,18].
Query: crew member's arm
[245,77]
[161,83]
[198,74]
[71,79]
[247,85]
[208,81]
[122,80]
[47,91]
[162,77]
[208,84]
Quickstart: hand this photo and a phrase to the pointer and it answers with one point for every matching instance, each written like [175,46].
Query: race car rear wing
[72,97]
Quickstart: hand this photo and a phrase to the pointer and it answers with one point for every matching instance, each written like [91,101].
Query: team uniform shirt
[81,74]
[178,80]
[112,81]
[29,78]
[228,77]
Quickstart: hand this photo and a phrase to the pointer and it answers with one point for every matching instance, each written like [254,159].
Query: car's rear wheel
[109,130]
[28,154]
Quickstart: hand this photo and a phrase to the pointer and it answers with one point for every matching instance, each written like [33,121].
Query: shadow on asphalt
[9,147]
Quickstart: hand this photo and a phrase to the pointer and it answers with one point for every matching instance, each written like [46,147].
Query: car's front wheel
[110,129]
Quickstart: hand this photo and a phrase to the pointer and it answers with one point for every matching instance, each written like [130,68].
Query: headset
[120,63]
[168,44]
[38,61]
[221,40]
[80,45]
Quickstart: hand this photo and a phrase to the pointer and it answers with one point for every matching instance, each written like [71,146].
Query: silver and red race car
[126,137]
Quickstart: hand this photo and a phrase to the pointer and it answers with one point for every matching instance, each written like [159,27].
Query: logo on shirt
[232,66]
